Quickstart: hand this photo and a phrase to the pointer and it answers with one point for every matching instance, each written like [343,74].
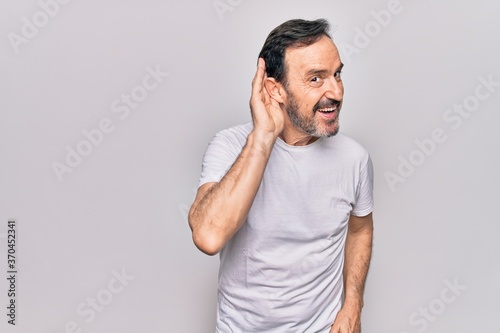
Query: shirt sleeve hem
[212,179]
[362,213]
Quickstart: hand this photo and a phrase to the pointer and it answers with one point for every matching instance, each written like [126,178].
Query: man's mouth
[327,106]
[327,110]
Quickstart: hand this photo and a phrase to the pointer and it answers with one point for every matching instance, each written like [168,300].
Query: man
[286,199]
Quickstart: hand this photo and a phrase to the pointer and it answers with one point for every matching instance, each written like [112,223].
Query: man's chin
[328,131]
[331,133]
[335,132]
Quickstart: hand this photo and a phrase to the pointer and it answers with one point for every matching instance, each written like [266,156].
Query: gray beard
[307,125]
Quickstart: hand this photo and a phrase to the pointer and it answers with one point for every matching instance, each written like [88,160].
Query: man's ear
[275,89]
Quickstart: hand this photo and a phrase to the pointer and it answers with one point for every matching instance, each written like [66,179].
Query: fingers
[343,329]
[261,63]
[258,80]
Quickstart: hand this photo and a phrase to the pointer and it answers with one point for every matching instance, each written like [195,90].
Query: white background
[123,207]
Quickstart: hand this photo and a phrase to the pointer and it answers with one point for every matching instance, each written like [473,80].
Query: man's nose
[334,89]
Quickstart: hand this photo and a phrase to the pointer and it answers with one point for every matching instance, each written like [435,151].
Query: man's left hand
[347,322]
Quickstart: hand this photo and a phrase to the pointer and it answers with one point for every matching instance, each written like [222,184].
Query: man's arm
[358,250]
[220,209]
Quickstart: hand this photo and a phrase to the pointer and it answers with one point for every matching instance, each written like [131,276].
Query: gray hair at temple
[290,34]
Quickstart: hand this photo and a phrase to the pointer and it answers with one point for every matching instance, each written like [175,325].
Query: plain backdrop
[416,96]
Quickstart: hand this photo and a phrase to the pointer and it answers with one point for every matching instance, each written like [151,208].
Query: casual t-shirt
[282,271]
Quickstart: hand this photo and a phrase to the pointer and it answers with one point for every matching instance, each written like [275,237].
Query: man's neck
[293,137]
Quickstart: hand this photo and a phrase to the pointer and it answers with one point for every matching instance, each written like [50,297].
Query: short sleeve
[220,155]
[364,191]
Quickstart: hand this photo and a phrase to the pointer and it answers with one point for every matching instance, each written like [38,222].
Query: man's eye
[315,79]
[337,74]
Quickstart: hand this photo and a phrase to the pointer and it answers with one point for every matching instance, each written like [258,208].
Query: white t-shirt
[282,271]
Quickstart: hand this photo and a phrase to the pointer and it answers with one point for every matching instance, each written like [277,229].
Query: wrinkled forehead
[323,54]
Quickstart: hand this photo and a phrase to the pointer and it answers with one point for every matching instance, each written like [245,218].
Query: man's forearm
[217,215]
[358,252]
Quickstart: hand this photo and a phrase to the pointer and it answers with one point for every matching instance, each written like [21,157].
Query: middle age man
[287,199]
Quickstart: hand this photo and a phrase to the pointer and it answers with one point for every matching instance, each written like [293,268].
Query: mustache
[328,103]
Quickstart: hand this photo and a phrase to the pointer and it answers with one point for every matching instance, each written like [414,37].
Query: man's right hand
[267,115]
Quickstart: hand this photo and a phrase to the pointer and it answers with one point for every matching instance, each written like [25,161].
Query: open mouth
[329,113]
[327,110]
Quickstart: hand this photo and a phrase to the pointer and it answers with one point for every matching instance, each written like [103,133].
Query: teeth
[327,110]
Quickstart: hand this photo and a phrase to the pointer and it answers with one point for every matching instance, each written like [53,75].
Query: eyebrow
[315,71]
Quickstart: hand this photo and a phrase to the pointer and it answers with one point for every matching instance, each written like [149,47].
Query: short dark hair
[292,33]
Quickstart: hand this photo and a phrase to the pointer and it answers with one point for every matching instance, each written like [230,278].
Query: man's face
[314,89]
